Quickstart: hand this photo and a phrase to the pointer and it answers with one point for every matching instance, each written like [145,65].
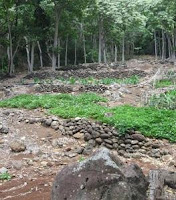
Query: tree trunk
[100,41]
[156,48]
[66,52]
[55,38]
[115,60]
[163,46]
[84,46]
[10,52]
[40,53]
[75,62]
[59,54]
[30,55]
[123,49]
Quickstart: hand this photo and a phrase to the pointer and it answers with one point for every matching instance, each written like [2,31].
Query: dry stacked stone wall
[99,134]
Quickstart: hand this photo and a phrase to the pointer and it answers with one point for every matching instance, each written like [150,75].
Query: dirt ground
[34,170]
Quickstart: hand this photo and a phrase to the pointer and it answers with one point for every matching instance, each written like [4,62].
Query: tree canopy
[66,32]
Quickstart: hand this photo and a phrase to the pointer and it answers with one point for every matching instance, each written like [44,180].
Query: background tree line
[38,33]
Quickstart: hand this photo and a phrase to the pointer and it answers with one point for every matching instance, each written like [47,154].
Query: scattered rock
[3,170]
[17,146]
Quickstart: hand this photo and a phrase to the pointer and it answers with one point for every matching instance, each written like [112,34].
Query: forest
[38,33]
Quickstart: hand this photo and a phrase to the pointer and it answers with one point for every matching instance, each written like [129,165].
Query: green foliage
[164,83]
[150,121]
[105,81]
[81,159]
[165,101]
[5,176]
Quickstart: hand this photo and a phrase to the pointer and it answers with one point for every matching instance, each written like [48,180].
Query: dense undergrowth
[164,101]
[150,121]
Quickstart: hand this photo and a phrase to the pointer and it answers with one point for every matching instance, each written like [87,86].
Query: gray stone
[17,146]
[87,137]
[3,170]
[4,129]
[55,125]
[48,122]
[99,140]
[102,176]
[138,137]
[134,142]
[104,136]
[79,136]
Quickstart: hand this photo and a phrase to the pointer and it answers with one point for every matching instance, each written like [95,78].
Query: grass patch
[150,121]
[164,101]
[164,83]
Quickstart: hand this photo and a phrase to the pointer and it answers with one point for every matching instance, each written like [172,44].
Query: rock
[4,129]
[138,137]
[79,136]
[134,142]
[17,164]
[48,122]
[80,150]
[88,149]
[102,176]
[87,137]
[55,125]
[108,141]
[17,146]
[99,140]
[3,170]
[104,136]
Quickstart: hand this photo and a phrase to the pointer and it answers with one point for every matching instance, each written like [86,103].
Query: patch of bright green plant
[81,159]
[104,81]
[164,101]
[5,176]
[153,122]
[164,83]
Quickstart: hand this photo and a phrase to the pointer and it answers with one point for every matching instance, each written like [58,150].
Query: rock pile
[93,88]
[98,134]
[85,73]
[57,88]
[53,88]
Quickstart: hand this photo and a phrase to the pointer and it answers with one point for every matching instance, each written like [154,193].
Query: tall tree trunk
[59,54]
[173,47]
[156,48]
[30,55]
[66,52]
[10,55]
[100,41]
[84,46]
[40,54]
[54,60]
[123,49]
[163,46]
[104,51]
[75,62]
[115,60]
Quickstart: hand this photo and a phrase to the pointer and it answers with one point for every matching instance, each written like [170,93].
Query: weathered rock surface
[101,177]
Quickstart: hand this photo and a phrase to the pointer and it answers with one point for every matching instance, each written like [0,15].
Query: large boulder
[101,177]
